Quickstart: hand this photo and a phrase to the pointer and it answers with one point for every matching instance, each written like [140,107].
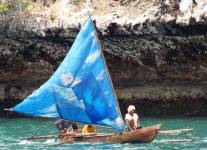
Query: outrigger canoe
[143,135]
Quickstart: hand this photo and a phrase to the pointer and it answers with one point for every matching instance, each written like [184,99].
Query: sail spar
[80,90]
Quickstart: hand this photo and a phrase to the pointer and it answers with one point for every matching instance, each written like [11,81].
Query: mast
[96,35]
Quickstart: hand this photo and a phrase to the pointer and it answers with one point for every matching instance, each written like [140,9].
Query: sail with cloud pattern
[80,90]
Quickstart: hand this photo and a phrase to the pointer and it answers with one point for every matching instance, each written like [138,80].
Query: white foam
[24,142]
[49,141]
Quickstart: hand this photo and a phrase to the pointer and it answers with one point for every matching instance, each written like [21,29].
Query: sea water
[13,130]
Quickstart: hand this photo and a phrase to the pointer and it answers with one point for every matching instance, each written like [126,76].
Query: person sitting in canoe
[66,127]
[88,129]
[132,118]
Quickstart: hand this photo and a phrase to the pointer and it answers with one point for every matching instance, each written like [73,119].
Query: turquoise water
[12,130]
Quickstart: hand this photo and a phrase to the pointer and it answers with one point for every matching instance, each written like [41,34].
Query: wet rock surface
[160,67]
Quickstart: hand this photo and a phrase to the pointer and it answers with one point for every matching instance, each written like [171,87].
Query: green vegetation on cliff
[4,8]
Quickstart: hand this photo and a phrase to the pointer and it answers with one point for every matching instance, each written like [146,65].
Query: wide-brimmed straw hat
[130,108]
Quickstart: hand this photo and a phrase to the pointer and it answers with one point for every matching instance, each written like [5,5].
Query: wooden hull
[143,135]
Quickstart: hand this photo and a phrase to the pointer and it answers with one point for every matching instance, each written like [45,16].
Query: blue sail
[80,90]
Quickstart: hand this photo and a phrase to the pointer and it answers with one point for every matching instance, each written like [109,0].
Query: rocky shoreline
[159,66]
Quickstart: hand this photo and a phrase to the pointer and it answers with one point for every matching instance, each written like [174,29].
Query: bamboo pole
[175,132]
[179,140]
[74,135]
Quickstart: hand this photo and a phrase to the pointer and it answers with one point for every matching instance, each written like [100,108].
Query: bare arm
[128,124]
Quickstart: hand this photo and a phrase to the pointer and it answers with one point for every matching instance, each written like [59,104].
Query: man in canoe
[66,127]
[88,129]
[131,118]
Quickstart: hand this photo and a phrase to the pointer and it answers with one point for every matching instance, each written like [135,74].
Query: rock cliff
[156,51]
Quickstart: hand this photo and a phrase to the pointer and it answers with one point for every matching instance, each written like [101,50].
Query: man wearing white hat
[132,119]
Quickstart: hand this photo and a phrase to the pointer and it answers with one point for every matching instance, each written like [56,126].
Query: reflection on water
[13,130]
